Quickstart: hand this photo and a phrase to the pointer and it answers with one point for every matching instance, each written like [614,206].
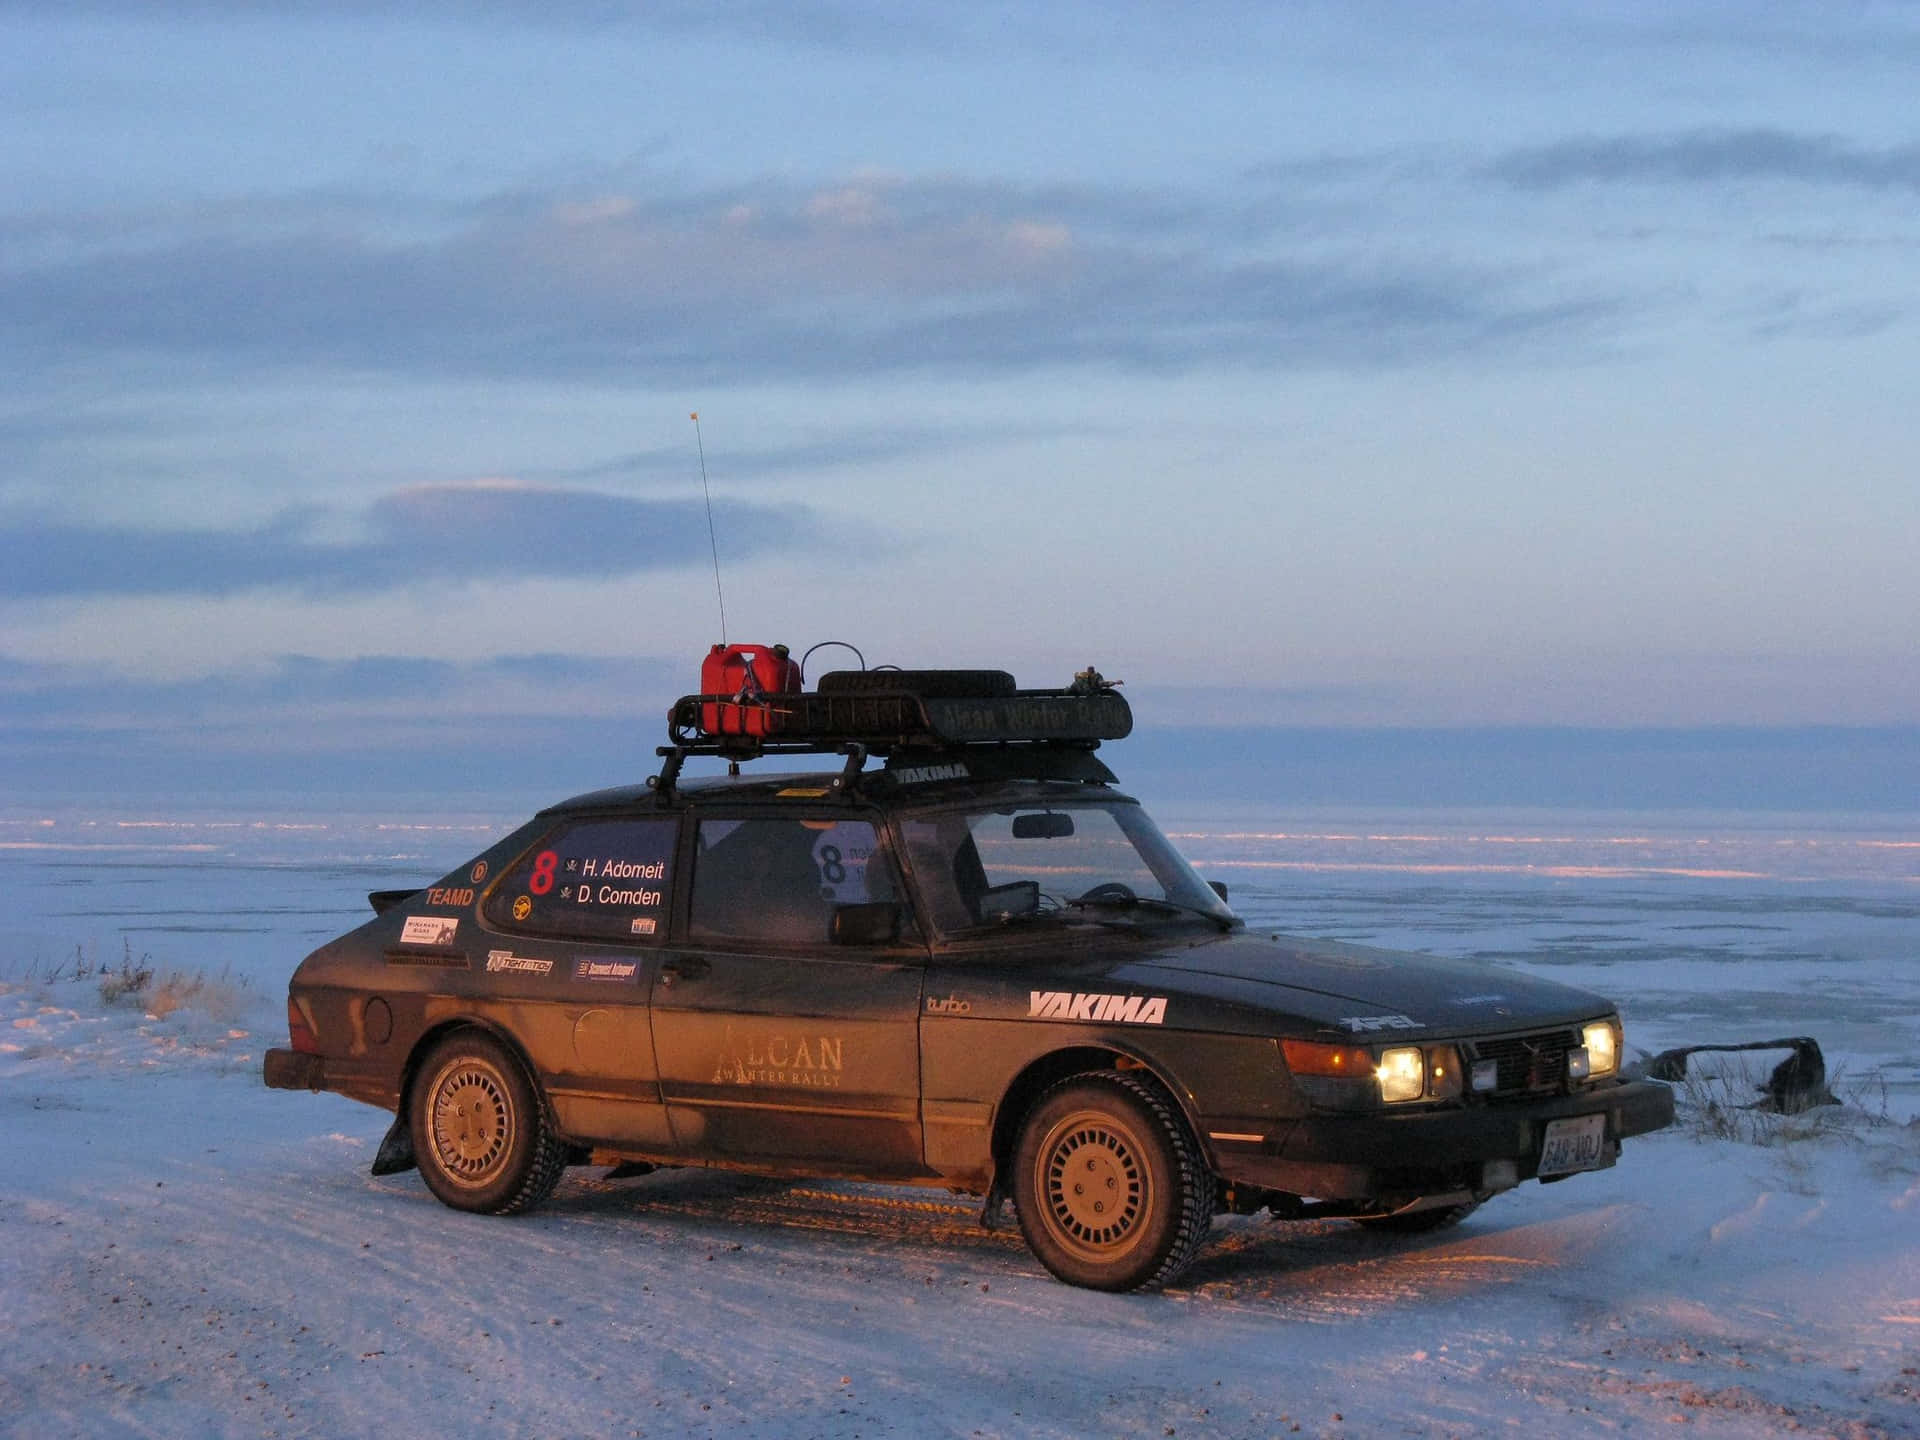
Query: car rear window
[594,879]
[778,880]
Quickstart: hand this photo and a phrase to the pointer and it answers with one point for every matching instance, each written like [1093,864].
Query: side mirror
[1219,887]
[1016,897]
[874,923]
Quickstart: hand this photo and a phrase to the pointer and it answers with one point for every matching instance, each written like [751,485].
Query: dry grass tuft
[223,996]
[1726,1102]
[136,980]
[131,978]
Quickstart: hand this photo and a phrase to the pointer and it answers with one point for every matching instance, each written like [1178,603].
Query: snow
[183,1252]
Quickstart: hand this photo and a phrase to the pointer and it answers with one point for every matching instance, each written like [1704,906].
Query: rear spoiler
[384,900]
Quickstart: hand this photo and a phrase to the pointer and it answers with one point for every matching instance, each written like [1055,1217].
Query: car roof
[813,787]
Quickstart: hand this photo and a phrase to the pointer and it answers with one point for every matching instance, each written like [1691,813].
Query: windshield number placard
[1576,1143]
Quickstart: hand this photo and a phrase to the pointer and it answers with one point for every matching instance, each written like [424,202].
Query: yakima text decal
[927,774]
[1121,1009]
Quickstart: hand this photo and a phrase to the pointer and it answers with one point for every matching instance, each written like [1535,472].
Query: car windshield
[992,865]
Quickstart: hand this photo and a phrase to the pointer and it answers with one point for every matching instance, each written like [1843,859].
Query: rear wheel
[1109,1185]
[480,1133]
[1420,1222]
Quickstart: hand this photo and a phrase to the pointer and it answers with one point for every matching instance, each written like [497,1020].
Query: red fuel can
[753,677]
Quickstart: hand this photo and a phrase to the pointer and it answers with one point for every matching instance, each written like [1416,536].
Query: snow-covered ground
[185,1253]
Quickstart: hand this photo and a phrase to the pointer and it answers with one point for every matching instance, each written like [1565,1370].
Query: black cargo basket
[884,710]
[886,720]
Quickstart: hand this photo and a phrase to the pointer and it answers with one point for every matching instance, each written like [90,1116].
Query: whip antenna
[713,539]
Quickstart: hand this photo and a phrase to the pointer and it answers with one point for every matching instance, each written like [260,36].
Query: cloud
[634,285]
[1711,157]
[480,531]
[315,694]
[545,724]
[526,729]
[827,26]
[841,449]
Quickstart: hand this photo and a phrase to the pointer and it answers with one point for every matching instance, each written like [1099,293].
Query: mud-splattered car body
[976,965]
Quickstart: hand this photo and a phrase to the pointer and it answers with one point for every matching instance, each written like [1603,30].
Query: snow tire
[481,1133]
[1111,1139]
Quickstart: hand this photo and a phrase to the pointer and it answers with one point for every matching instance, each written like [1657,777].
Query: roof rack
[885,713]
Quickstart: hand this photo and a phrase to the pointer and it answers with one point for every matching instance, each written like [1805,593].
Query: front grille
[1529,1064]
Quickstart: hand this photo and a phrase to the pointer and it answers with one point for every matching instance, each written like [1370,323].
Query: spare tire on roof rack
[929,684]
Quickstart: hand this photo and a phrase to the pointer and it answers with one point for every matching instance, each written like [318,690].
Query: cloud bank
[870,277]
[1713,157]
[485,531]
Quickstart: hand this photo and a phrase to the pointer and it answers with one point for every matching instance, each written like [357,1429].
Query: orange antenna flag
[693,415]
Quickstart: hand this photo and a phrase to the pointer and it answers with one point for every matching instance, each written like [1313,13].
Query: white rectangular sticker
[429,930]
[1577,1143]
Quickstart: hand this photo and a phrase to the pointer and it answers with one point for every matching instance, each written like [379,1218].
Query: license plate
[1577,1143]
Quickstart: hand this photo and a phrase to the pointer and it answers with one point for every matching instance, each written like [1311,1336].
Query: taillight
[299,1033]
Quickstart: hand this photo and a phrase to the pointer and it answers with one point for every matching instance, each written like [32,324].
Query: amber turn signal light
[1314,1057]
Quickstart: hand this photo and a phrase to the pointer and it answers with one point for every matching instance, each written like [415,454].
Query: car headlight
[1601,1039]
[1402,1073]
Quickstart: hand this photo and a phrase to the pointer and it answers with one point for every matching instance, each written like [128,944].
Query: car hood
[1354,988]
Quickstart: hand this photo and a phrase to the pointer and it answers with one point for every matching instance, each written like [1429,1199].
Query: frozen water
[184,1253]
[1702,927]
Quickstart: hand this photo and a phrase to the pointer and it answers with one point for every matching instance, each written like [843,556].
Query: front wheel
[480,1134]
[1109,1185]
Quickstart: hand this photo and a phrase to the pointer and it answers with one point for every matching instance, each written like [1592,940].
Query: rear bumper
[294,1070]
[1363,1155]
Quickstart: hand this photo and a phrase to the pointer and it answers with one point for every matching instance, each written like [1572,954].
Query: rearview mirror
[1042,825]
[874,923]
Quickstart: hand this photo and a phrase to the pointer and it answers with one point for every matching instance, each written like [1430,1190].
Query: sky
[1351,367]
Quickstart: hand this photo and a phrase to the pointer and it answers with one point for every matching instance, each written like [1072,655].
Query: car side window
[779,880]
[947,869]
[593,880]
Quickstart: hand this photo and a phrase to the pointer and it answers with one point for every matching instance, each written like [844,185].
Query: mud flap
[992,1207]
[396,1151]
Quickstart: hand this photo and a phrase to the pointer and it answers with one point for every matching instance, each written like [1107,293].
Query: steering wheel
[1110,890]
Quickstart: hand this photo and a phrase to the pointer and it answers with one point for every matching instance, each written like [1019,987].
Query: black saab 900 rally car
[959,958]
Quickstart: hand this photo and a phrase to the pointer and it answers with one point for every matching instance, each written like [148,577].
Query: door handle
[683,967]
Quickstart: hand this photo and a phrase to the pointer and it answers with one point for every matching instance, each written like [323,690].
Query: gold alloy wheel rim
[1095,1185]
[472,1122]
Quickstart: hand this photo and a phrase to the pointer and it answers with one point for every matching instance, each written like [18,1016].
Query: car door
[578,922]
[775,1045]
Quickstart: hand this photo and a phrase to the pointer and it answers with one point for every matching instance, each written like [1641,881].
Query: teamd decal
[1120,1009]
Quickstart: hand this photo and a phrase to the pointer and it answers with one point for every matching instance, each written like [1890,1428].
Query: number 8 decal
[831,870]
[541,881]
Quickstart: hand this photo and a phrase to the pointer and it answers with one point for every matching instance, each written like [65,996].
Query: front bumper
[1362,1155]
[294,1070]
